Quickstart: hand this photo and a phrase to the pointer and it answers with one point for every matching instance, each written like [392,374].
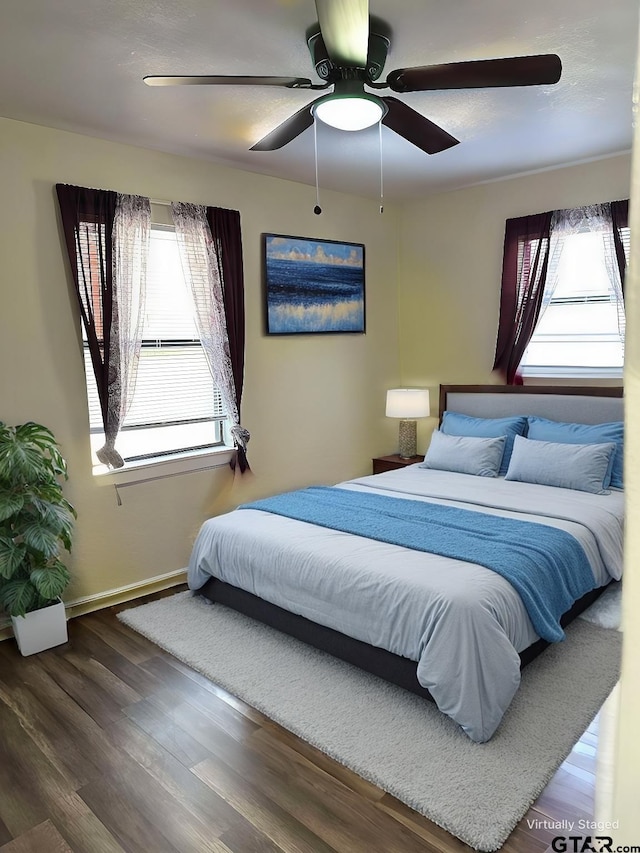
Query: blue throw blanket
[547,566]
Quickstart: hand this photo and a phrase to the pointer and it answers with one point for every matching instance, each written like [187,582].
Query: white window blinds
[174,388]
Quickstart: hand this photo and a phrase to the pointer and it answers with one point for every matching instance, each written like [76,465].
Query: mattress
[462,623]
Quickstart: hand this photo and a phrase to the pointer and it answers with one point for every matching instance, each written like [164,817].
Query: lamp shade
[408,403]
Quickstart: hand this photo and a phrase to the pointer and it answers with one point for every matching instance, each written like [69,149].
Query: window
[562,272]
[175,416]
[175,406]
[580,330]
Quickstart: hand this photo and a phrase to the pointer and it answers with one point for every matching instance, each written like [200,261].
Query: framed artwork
[313,286]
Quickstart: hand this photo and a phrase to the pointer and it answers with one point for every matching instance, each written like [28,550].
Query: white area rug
[477,792]
[607,610]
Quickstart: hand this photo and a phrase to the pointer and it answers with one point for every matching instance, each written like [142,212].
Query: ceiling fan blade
[344,25]
[415,128]
[480,73]
[285,132]
[216,80]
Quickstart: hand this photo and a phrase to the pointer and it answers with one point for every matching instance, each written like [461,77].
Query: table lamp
[407,404]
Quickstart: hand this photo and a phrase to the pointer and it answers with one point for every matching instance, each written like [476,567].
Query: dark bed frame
[391,667]
[394,668]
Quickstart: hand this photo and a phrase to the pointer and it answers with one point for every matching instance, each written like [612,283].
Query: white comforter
[462,623]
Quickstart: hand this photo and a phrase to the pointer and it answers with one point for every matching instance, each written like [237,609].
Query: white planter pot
[41,629]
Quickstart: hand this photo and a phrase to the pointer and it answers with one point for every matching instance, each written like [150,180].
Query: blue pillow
[542,429]
[585,467]
[455,423]
[464,454]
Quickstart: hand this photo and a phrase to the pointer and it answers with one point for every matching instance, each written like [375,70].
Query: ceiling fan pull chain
[317,209]
[381,170]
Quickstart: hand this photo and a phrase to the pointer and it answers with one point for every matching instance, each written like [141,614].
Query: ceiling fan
[349,49]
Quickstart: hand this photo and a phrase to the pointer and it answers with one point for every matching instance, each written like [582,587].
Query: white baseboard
[100,600]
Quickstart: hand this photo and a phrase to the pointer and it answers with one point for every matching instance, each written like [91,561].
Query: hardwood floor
[110,744]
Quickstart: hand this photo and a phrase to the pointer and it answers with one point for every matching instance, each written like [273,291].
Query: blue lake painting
[313,285]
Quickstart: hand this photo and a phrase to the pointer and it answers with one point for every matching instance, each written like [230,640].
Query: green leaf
[65,538]
[51,582]
[11,557]
[21,463]
[29,453]
[31,431]
[10,503]
[38,537]
[17,596]
[54,515]
[42,438]
[50,490]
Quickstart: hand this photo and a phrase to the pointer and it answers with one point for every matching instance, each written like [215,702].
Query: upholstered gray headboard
[573,404]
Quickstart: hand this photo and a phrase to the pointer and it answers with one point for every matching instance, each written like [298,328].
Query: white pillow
[464,454]
[585,467]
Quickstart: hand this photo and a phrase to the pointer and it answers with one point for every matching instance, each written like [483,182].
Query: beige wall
[314,404]
[451,262]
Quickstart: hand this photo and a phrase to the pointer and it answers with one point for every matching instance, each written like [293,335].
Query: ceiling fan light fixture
[350,112]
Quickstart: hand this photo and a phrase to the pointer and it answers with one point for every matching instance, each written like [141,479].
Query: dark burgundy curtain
[524,273]
[227,239]
[620,219]
[87,222]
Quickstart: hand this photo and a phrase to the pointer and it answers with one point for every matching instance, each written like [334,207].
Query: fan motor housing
[377,55]
[327,70]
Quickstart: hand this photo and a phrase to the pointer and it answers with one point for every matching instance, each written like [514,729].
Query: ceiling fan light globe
[349,113]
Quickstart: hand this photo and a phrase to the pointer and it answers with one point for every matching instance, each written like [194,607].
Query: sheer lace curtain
[202,269]
[595,218]
[131,235]
[107,239]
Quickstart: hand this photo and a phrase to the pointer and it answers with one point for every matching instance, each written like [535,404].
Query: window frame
[161,467]
[143,467]
[560,371]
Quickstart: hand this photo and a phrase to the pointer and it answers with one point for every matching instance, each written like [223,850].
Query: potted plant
[36,523]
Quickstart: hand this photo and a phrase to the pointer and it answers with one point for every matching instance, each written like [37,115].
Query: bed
[425,615]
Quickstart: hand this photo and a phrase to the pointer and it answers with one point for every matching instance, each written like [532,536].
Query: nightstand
[390,463]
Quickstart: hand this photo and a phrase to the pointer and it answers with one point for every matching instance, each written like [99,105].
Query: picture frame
[313,285]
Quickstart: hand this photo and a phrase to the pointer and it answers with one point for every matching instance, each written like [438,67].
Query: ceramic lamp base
[408,447]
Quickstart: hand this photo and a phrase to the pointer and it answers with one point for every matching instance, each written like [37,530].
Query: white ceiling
[78,65]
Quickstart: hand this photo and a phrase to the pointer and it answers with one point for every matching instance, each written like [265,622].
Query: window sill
[537,372]
[167,466]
